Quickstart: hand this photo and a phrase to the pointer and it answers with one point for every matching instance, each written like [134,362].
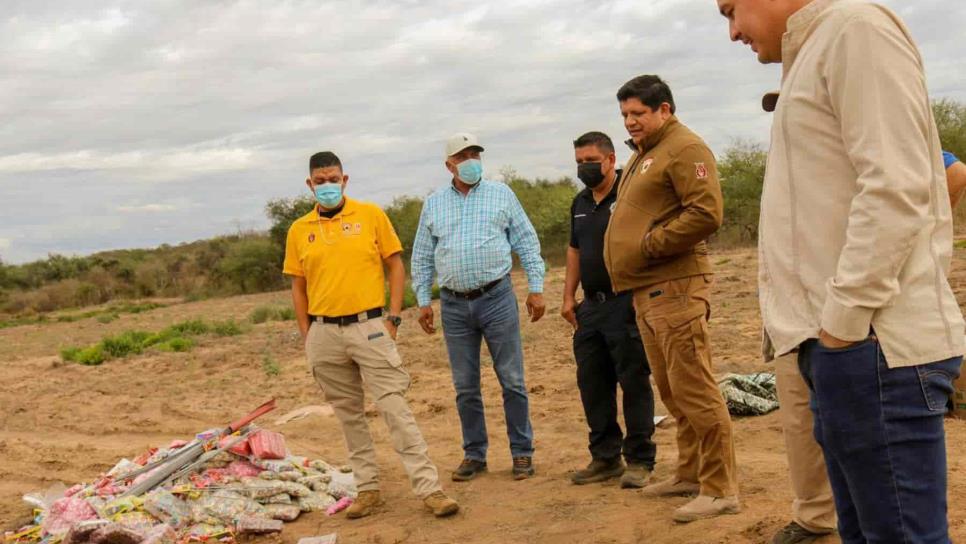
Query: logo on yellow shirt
[351,229]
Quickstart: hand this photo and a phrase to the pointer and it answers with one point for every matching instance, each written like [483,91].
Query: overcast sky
[131,124]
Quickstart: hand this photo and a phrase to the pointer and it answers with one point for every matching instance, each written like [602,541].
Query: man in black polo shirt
[607,343]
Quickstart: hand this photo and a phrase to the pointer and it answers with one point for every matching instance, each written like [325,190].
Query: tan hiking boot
[441,505]
[706,507]
[364,505]
[672,487]
[598,470]
[635,476]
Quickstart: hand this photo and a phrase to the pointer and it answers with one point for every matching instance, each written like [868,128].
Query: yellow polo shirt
[341,258]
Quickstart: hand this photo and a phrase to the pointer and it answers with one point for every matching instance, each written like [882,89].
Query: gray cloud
[132,123]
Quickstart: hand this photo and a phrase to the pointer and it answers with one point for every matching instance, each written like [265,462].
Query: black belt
[475,293]
[344,320]
[602,296]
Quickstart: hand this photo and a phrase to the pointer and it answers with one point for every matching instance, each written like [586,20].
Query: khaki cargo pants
[673,319]
[813,507]
[341,359]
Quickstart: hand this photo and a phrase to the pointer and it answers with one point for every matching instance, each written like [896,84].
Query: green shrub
[90,356]
[270,366]
[172,338]
[282,213]
[226,328]
[107,318]
[24,320]
[69,353]
[547,204]
[126,343]
[404,215]
[742,172]
[261,314]
[951,121]
[188,328]
[409,296]
[251,266]
[132,308]
[177,344]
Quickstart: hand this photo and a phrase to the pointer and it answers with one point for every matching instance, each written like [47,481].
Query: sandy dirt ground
[66,422]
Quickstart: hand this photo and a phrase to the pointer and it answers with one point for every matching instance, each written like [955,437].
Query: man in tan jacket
[667,206]
[854,247]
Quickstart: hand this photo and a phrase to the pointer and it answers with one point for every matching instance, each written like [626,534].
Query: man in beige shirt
[855,242]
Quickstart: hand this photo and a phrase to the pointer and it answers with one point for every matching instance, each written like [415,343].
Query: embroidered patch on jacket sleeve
[700,170]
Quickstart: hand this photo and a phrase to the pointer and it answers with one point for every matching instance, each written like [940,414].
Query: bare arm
[956,182]
[571,281]
[397,282]
[300,300]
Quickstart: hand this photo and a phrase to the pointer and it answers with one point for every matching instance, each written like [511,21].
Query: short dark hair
[594,138]
[651,90]
[324,159]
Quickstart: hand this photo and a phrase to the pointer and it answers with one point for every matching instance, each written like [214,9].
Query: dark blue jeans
[882,433]
[493,317]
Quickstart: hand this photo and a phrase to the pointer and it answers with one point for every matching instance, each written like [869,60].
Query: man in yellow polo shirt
[336,256]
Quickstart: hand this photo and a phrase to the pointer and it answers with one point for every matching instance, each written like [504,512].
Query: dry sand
[66,422]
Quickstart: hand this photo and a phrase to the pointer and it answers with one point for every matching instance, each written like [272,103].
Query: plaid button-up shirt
[468,240]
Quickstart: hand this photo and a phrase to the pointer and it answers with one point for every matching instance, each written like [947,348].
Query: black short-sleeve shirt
[588,224]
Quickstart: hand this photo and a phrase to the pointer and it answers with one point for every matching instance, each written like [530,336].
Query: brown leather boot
[598,470]
[635,476]
[364,505]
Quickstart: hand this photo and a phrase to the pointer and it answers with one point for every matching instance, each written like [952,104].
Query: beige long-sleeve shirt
[856,227]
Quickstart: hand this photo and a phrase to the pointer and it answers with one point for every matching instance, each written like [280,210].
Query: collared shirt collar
[799,27]
[651,141]
[452,185]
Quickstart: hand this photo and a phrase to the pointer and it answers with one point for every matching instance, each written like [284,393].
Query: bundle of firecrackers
[251,488]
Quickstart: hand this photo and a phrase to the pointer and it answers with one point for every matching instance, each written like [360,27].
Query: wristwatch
[395,320]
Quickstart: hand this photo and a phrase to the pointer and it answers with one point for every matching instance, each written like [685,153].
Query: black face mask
[590,174]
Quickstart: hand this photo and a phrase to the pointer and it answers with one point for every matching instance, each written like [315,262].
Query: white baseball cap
[460,141]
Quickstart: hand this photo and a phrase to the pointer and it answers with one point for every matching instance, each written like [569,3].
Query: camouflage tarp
[749,394]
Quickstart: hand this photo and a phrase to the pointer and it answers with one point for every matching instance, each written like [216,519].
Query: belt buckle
[363,317]
[600,297]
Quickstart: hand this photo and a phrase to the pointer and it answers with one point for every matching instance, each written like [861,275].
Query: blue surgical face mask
[328,194]
[470,171]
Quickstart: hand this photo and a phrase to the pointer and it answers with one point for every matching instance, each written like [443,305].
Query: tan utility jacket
[856,228]
[667,206]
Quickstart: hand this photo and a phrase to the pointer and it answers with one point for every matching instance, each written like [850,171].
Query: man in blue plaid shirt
[466,234]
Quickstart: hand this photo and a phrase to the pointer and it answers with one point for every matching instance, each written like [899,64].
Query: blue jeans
[882,433]
[493,317]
